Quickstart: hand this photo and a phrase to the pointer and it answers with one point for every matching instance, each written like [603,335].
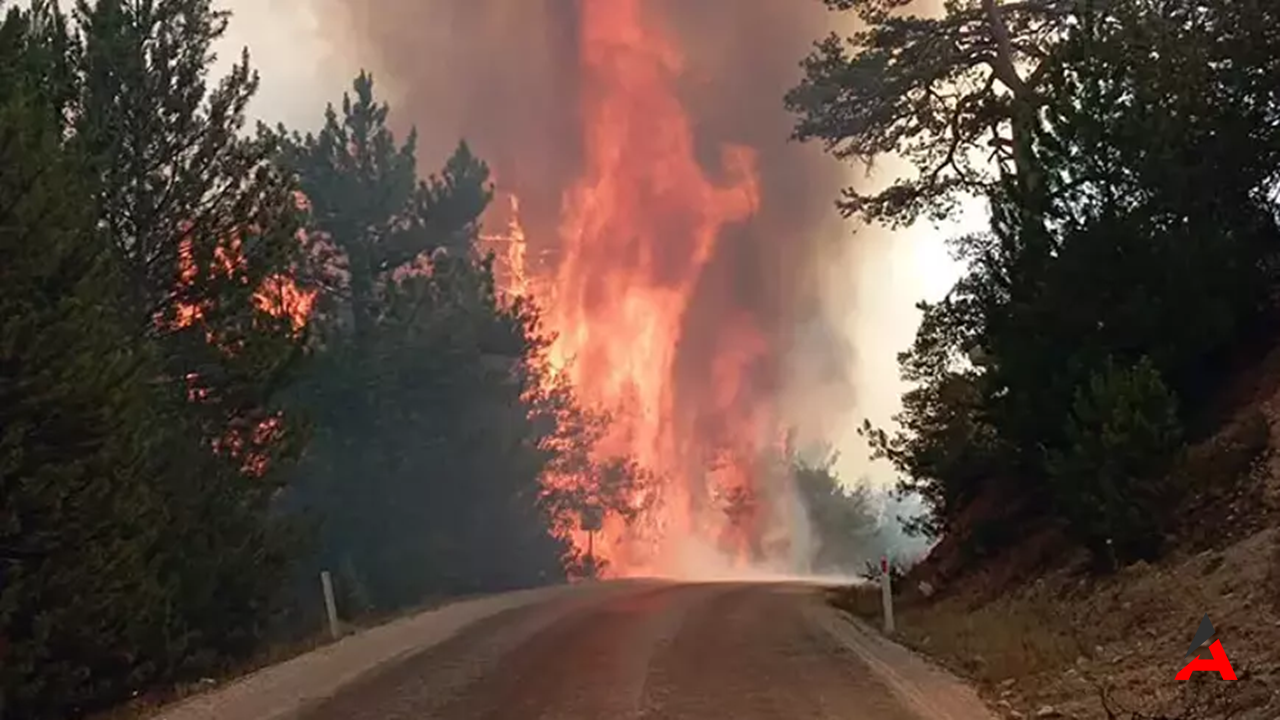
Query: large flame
[638,230]
[636,233]
[652,207]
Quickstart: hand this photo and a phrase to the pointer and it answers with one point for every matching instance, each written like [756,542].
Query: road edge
[281,691]
[931,691]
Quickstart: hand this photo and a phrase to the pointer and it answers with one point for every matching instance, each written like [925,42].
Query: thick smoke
[505,75]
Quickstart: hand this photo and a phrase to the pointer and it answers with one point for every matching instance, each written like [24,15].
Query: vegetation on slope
[1129,152]
[1097,393]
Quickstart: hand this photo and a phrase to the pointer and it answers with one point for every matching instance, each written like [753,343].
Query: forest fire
[636,232]
[279,295]
[638,229]
[661,221]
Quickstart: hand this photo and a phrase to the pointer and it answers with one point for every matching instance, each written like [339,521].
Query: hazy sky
[301,70]
[882,275]
[889,272]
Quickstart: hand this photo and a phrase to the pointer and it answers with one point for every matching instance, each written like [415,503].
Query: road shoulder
[283,690]
[930,691]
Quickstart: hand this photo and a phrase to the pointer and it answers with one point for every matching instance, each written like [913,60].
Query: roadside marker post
[591,522]
[886,594]
[331,607]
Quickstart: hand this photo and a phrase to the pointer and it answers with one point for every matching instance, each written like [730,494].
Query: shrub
[1110,482]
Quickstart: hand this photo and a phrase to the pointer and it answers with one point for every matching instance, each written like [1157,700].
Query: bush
[1110,483]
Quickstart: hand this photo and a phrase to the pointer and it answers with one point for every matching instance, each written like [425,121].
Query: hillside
[1043,637]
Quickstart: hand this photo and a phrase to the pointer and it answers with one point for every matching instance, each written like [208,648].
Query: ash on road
[720,651]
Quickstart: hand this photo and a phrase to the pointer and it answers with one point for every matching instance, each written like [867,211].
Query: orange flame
[510,249]
[638,230]
[279,296]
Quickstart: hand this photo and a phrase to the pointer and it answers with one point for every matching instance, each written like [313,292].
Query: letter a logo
[1217,662]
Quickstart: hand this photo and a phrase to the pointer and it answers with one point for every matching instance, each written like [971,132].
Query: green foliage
[200,221]
[76,510]
[371,213]
[182,195]
[843,523]
[954,95]
[1132,248]
[433,488]
[944,450]
[1110,480]
[138,455]
[434,412]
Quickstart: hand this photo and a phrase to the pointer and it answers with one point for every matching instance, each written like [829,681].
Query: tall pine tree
[141,364]
[80,514]
[426,457]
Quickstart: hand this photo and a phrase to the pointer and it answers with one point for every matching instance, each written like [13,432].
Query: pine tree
[370,205]
[200,217]
[427,456]
[198,223]
[79,512]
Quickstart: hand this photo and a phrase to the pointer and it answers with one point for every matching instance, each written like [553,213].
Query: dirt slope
[1042,638]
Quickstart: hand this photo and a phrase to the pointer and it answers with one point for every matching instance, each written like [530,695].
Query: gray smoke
[505,75]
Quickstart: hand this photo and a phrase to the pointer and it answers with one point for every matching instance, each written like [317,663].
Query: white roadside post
[331,607]
[886,594]
[592,522]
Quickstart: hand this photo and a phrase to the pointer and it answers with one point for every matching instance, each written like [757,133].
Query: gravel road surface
[653,651]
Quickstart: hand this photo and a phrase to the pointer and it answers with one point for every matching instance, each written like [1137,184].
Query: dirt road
[658,651]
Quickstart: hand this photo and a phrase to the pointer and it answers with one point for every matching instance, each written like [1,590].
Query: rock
[926,589]
[1004,705]
[1015,715]
[1008,682]
[1047,713]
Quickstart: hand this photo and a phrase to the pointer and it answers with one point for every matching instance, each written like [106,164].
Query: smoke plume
[705,270]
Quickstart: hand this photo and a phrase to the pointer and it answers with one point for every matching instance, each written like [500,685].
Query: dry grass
[989,643]
[1031,630]
[1108,648]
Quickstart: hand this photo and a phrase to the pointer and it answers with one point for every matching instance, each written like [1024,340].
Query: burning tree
[433,419]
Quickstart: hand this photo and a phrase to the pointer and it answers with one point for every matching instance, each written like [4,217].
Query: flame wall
[677,234]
